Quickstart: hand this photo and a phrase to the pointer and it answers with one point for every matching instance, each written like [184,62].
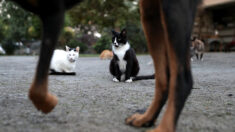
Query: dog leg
[151,20]
[180,81]
[201,56]
[179,89]
[197,55]
[38,92]
[171,58]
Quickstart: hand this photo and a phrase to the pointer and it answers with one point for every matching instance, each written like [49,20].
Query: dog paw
[43,101]
[115,79]
[129,80]
[139,120]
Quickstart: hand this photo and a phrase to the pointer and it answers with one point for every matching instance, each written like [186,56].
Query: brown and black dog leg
[38,92]
[51,13]
[167,25]
[154,32]
[178,17]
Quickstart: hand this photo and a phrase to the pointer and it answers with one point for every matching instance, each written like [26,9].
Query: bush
[73,43]
[32,32]
[68,32]
[136,38]
[103,43]
[66,35]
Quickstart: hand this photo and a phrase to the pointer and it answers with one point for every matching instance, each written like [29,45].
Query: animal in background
[197,48]
[106,54]
[64,62]
[124,65]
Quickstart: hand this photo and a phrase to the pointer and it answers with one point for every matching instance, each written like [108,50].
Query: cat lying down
[64,62]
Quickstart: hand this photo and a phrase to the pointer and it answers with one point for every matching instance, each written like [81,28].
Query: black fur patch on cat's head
[72,49]
[119,39]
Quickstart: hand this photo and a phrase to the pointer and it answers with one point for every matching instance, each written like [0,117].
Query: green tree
[103,43]
[18,22]
[101,14]
[2,31]
[104,15]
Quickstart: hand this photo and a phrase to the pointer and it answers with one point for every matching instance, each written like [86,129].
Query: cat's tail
[53,72]
[144,77]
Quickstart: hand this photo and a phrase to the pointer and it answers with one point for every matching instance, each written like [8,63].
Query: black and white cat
[64,62]
[124,65]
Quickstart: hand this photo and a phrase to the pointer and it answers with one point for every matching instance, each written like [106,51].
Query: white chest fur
[120,52]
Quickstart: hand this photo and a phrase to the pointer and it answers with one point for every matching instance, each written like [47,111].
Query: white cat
[64,62]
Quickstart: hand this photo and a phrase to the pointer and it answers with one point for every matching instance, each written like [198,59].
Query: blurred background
[89,26]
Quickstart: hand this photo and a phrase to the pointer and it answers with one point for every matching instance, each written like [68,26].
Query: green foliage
[17,22]
[107,15]
[88,17]
[102,14]
[103,43]
[67,20]
[32,32]
[73,43]
[36,24]
[2,31]
[67,34]
[136,38]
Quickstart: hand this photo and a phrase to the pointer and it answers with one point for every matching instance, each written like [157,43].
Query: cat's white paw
[129,80]
[115,79]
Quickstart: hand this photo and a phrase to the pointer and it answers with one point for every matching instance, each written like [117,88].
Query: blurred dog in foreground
[167,26]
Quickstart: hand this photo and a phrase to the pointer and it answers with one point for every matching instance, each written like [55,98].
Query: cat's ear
[123,32]
[67,48]
[77,48]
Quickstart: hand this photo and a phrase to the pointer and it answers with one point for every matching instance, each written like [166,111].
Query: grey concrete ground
[90,101]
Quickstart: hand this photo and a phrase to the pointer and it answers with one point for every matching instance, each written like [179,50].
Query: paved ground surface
[90,101]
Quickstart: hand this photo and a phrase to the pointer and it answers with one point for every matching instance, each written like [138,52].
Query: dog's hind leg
[38,92]
[155,34]
[167,25]
[179,17]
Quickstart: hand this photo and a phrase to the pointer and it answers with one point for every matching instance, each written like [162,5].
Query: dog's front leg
[38,92]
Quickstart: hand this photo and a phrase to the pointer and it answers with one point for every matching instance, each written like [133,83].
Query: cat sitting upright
[124,64]
[64,62]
